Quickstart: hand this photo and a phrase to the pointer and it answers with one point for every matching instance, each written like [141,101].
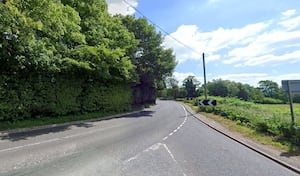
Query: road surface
[161,140]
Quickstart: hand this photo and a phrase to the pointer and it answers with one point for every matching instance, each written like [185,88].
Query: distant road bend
[161,140]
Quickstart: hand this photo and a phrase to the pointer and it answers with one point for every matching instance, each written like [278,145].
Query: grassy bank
[269,124]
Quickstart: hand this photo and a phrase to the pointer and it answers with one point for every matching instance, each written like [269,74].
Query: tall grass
[264,118]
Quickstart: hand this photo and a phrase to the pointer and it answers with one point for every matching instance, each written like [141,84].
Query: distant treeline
[60,57]
[267,92]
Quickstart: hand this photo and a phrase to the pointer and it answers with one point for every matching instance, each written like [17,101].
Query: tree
[244,91]
[46,44]
[172,87]
[296,98]
[153,63]
[218,88]
[269,88]
[190,83]
[255,94]
[171,82]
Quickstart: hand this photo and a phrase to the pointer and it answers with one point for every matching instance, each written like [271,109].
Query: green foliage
[52,95]
[60,57]
[218,88]
[296,98]
[269,119]
[267,93]
[99,98]
[270,88]
[190,83]
[267,100]
[152,62]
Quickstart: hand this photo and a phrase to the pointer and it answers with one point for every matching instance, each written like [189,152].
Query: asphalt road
[162,140]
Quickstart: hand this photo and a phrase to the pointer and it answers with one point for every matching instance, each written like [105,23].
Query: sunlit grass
[260,122]
[248,132]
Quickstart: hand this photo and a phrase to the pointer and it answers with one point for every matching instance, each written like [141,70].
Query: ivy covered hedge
[53,95]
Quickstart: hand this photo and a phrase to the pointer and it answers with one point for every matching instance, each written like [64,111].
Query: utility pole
[205,88]
[291,102]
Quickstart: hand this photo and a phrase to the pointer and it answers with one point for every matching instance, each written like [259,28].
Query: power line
[164,31]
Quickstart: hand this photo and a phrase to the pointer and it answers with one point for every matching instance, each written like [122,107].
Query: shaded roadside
[26,133]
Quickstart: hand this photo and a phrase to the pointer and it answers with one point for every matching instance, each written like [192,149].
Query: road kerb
[273,158]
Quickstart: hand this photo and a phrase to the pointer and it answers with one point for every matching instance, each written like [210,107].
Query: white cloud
[291,23]
[288,13]
[181,76]
[209,42]
[246,78]
[263,49]
[121,7]
[270,42]
[253,78]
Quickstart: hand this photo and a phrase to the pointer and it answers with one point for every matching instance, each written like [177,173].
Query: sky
[243,41]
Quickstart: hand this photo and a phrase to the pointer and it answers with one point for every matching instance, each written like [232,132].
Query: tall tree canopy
[190,83]
[153,62]
[269,88]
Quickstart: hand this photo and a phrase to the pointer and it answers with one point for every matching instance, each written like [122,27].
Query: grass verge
[49,120]
[6,125]
[251,133]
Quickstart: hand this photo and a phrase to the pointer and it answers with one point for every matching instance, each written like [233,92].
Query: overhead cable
[163,30]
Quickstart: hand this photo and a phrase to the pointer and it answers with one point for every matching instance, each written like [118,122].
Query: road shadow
[291,153]
[139,114]
[24,135]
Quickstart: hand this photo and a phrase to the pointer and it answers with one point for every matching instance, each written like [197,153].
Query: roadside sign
[291,85]
[208,102]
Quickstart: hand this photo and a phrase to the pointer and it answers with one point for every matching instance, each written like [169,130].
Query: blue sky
[244,41]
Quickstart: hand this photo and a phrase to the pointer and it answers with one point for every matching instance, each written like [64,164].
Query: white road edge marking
[53,140]
[28,145]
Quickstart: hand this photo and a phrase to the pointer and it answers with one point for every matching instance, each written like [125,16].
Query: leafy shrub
[267,100]
[297,135]
[261,125]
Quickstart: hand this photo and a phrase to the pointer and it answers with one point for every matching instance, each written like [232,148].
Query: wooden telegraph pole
[205,88]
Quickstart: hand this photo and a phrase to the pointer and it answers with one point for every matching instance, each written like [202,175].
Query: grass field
[252,110]
[282,110]
[269,120]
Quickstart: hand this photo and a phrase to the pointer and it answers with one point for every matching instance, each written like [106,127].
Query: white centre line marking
[179,127]
[158,145]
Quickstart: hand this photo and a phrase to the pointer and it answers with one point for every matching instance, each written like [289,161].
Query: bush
[267,100]
[261,125]
[297,135]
